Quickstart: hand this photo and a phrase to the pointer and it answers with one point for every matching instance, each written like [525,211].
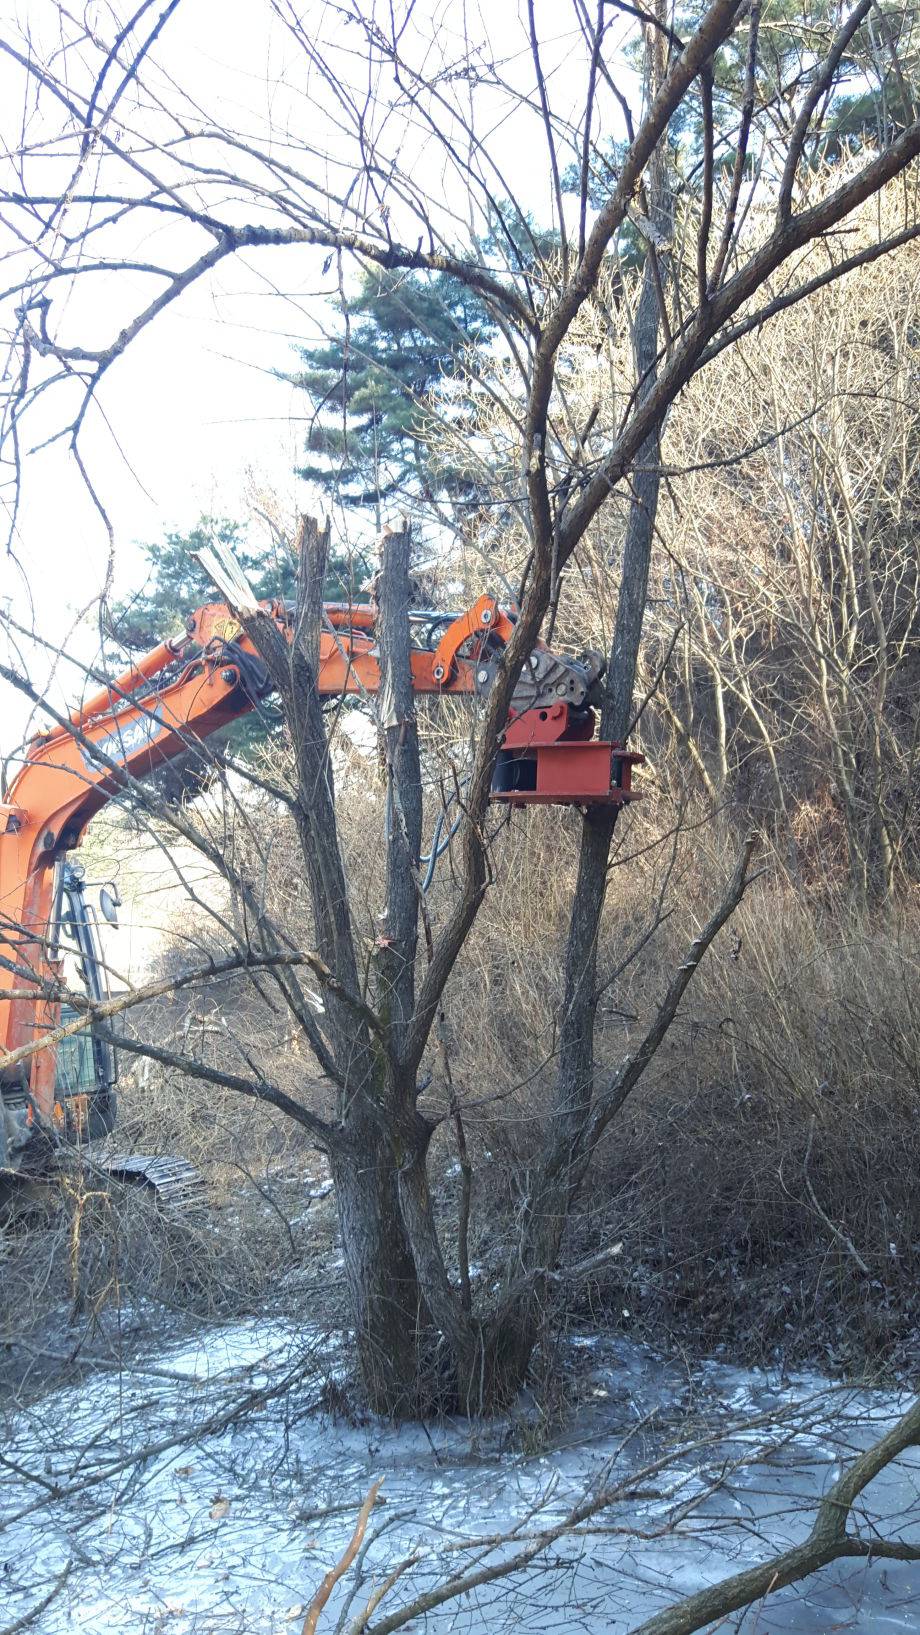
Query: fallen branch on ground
[340,1569]
[41,1606]
[828,1541]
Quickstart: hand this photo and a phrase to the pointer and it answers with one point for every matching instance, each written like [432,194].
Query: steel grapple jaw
[548,678]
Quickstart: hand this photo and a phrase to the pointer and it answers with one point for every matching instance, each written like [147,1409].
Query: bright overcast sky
[194,407]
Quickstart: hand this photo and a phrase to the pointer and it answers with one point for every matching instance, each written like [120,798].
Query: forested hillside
[507,1085]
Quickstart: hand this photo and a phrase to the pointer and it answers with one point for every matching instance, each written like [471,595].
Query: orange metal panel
[563,769]
[485,618]
[110,697]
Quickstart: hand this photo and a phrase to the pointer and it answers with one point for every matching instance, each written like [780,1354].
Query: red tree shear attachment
[549,757]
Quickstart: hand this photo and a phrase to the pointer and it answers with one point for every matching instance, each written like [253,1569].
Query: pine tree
[176,582]
[401,335]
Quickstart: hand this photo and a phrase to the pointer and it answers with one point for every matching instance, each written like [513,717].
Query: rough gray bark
[396,711]
[391,1322]
[397,955]
[392,1326]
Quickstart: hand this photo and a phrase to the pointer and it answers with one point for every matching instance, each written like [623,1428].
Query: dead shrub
[760,1177]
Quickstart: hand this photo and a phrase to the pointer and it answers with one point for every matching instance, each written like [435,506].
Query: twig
[835,1231]
[360,1622]
[828,1541]
[36,1611]
[212,1426]
[338,1571]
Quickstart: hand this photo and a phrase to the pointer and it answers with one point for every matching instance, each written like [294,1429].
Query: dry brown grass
[800,1037]
[762,1176]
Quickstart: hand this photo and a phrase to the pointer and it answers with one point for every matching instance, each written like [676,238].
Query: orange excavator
[173,698]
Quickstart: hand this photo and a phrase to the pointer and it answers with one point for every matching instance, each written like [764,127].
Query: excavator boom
[183,691]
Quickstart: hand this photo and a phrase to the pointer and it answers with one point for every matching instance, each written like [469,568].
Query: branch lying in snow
[340,1569]
[42,1606]
[213,1425]
[827,1541]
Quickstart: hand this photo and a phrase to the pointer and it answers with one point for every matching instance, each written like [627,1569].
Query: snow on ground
[249,1492]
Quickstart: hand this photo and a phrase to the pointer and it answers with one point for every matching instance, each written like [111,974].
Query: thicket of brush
[762,1178]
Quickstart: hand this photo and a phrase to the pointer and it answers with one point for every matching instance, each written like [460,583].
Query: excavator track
[177,1186]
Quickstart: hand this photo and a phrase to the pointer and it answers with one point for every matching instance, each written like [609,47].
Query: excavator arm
[187,688]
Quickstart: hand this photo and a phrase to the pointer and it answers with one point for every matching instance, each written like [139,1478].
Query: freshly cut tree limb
[340,1569]
[222,568]
[311,547]
[395,957]
[569,1275]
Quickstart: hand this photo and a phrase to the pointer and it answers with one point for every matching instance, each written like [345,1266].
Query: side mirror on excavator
[110,902]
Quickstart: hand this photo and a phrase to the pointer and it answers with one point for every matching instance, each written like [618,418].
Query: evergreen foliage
[402,335]
[872,98]
[176,584]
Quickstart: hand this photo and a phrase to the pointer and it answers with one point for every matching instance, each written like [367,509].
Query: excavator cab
[84,1102]
[87,1068]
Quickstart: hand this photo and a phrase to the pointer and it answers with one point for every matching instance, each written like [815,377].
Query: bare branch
[341,1567]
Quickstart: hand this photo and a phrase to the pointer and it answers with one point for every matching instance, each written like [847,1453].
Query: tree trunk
[560,1170]
[400,1292]
[393,1332]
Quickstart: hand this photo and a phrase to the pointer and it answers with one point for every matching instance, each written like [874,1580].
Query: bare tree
[793,568]
[131,147]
